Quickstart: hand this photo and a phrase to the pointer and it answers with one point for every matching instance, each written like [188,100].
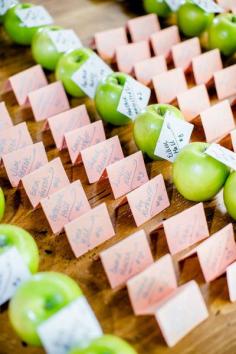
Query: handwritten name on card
[162,41]
[5,119]
[127,174]
[75,325]
[97,157]
[205,65]
[184,52]
[23,161]
[231,274]
[65,40]
[151,286]
[220,153]
[65,205]
[106,42]
[126,258]
[148,200]
[90,73]
[45,181]
[208,6]
[174,4]
[142,27]
[5,5]
[80,139]
[134,98]
[67,121]
[175,134]
[90,230]
[48,101]
[186,228]
[13,271]
[224,82]
[34,16]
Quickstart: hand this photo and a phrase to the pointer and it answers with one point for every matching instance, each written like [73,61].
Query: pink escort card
[81,138]
[25,82]
[225,82]
[45,181]
[127,174]
[48,101]
[231,275]
[205,65]
[142,27]
[90,230]
[66,122]
[65,205]
[5,119]
[14,138]
[97,157]
[163,41]
[23,161]
[145,70]
[127,258]
[184,52]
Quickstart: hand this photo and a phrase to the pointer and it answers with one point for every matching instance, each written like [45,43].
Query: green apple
[14,236]
[158,7]
[192,20]
[196,175]
[107,98]
[222,33]
[37,299]
[6,5]
[230,195]
[107,344]
[2,204]
[68,64]
[148,125]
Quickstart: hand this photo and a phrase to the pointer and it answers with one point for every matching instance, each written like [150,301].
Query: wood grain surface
[217,335]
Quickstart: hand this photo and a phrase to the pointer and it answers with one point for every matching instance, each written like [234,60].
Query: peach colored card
[225,82]
[142,27]
[163,41]
[5,119]
[181,312]
[231,276]
[169,85]
[233,138]
[66,122]
[97,157]
[128,55]
[106,42]
[186,228]
[193,101]
[217,121]
[151,286]
[23,161]
[127,174]
[148,200]
[45,181]
[14,138]
[48,101]
[184,52]
[65,205]
[205,65]
[227,4]
[126,258]
[90,230]
[145,70]
[25,82]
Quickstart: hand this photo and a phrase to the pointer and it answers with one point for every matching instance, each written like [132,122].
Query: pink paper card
[193,101]
[225,82]
[231,276]
[23,161]
[45,181]
[142,27]
[14,138]
[233,138]
[130,54]
[97,157]
[106,42]
[126,258]
[184,52]
[48,101]
[228,5]
[90,230]
[5,119]
[217,121]
[163,41]
[205,65]
[81,138]
[186,228]
[65,205]
[148,200]
[25,82]
[152,285]
[127,174]
[145,70]
[169,85]
[181,312]
[67,121]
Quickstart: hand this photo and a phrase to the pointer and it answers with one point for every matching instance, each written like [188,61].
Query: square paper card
[145,70]
[5,119]
[225,82]
[89,230]
[205,65]
[142,27]
[162,41]
[184,52]
[126,258]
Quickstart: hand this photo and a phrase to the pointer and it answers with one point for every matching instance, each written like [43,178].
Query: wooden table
[215,336]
